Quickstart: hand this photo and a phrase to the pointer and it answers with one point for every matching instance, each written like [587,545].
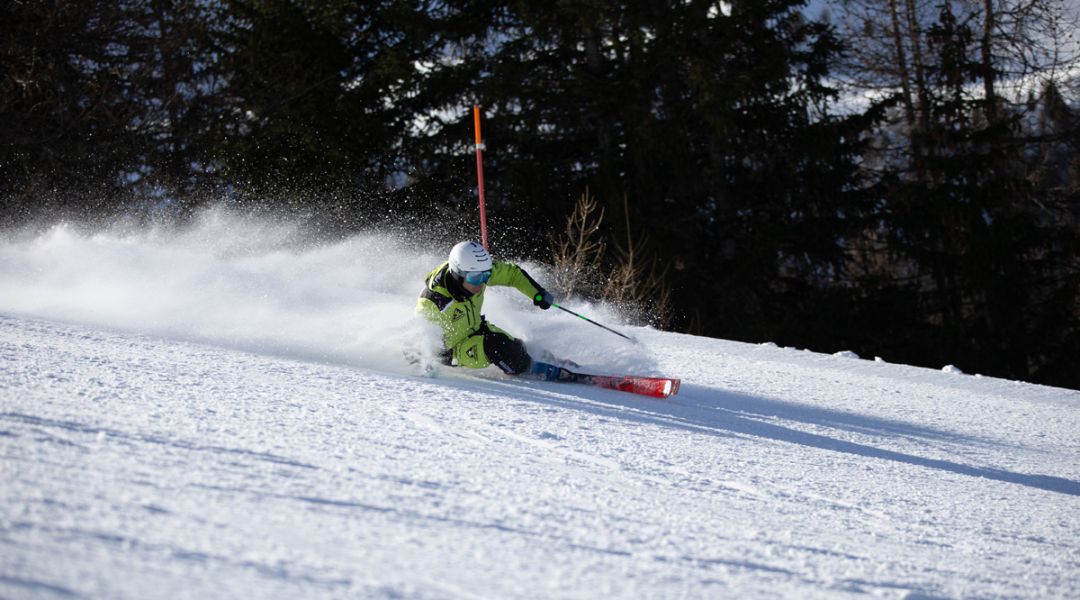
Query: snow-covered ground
[223,411]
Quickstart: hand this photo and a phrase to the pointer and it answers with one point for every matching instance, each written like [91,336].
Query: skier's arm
[511,275]
[431,306]
[426,307]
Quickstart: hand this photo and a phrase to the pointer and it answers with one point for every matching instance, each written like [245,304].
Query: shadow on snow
[718,412]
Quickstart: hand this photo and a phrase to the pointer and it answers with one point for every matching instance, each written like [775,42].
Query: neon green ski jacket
[445,303]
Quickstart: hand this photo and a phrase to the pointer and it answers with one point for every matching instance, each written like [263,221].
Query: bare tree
[1023,44]
[578,252]
[637,283]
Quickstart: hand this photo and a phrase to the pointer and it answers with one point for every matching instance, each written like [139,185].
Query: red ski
[655,387]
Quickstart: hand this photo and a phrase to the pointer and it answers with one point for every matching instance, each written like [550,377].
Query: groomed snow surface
[223,411]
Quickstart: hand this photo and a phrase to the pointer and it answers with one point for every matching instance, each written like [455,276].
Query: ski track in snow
[153,458]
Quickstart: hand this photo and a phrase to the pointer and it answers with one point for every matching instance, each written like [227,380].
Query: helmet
[468,257]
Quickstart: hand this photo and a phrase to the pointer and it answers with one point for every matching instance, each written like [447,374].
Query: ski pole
[584,318]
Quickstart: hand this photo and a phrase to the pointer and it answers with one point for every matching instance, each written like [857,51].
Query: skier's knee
[507,353]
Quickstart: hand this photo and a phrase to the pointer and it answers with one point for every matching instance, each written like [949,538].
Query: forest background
[900,178]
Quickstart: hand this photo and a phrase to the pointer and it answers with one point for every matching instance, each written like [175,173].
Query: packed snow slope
[223,411]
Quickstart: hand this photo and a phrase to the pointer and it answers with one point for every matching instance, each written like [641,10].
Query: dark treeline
[935,223]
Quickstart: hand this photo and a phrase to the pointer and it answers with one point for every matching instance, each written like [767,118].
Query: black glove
[544,299]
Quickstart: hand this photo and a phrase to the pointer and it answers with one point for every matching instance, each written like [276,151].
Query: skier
[452,298]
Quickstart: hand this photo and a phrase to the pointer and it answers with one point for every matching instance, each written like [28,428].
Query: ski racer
[453,297]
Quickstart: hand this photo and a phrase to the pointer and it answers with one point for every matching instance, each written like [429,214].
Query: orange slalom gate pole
[480,175]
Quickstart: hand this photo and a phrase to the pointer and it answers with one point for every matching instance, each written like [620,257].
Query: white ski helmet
[468,257]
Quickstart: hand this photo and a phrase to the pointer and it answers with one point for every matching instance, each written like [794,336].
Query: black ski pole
[584,318]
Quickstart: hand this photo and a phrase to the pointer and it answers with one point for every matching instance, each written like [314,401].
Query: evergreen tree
[63,107]
[711,122]
[705,130]
[101,102]
[314,87]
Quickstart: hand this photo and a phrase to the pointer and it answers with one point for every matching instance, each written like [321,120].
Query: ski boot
[544,371]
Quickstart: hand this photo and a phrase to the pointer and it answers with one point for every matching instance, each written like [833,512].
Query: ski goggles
[476,277]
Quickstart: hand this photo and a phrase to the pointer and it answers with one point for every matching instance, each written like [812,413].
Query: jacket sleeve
[511,275]
[430,311]
[458,320]
[432,305]
[453,331]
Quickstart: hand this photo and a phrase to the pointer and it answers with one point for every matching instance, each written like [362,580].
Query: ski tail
[655,387]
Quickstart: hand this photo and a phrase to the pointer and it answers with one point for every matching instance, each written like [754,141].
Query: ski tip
[672,387]
[668,388]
